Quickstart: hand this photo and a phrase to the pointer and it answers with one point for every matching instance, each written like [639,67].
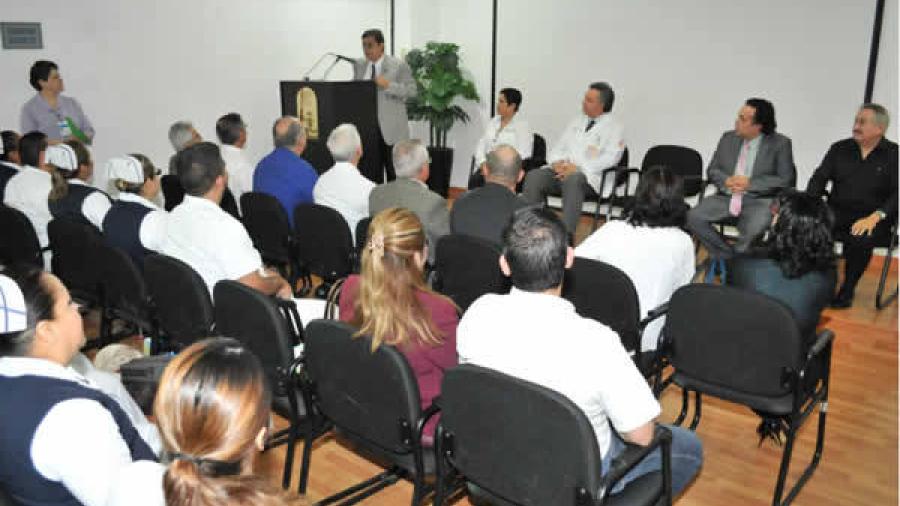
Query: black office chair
[880,300]
[681,160]
[265,326]
[372,398]
[77,261]
[362,234]
[269,228]
[173,192]
[466,268]
[603,292]
[184,309]
[324,244]
[487,417]
[125,299]
[537,160]
[746,348]
[20,243]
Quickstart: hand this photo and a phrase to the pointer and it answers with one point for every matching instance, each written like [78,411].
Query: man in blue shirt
[283,173]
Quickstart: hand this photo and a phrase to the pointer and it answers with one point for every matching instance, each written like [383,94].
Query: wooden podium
[323,105]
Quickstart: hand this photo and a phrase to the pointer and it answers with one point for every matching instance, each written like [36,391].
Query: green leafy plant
[438,82]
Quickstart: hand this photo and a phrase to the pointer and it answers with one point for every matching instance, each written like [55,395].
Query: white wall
[886,84]
[138,66]
[682,69]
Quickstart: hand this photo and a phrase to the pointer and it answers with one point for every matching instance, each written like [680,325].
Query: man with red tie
[752,164]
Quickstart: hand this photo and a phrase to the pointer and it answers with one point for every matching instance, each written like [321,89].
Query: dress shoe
[842,301]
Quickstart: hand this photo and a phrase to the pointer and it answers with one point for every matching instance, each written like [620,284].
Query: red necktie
[734,207]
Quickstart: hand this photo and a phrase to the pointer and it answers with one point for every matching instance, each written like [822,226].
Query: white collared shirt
[240,171]
[591,151]
[211,241]
[95,206]
[345,190]
[516,133]
[86,462]
[658,260]
[154,225]
[28,191]
[540,338]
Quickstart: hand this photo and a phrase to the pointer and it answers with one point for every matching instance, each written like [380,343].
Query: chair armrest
[288,308]
[632,455]
[653,314]
[823,340]
[426,415]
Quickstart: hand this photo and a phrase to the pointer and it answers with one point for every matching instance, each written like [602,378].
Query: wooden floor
[860,462]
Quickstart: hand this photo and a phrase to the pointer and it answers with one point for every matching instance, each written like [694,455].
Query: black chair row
[20,243]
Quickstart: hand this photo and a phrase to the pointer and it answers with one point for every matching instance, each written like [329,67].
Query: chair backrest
[173,192]
[229,204]
[268,226]
[20,242]
[255,320]
[733,338]
[487,417]
[372,396]
[362,232]
[124,290]
[183,305]
[324,241]
[77,260]
[538,156]
[468,267]
[605,293]
[684,161]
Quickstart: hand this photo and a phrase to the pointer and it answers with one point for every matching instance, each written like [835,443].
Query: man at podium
[395,85]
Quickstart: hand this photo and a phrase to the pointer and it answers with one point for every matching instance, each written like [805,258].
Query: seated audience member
[795,265]
[796,261]
[283,173]
[9,159]
[410,191]
[507,127]
[57,116]
[483,212]
[751,164]
[71,197]
[63,441]
[211,241]
[590,144]
[342,187]
[232,133]
[649,245]
[135,224]
[863,174]
[534,334]
[181,135]
[29,189]
[390,302]
[212,409]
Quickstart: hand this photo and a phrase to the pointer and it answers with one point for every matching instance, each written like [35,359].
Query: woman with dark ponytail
[135,224]
[70,196]
[212,408]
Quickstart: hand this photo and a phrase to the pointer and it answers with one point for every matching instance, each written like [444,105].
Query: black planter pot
[440,169]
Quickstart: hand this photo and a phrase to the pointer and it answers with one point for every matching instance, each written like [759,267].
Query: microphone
[343,58]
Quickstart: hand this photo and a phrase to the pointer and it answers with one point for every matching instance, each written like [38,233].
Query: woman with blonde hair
[390,302]
[212,409]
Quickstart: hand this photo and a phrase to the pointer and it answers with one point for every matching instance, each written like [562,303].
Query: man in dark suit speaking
[752,164]
[395,83]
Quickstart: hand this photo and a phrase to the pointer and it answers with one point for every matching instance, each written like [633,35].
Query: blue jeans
[687,457]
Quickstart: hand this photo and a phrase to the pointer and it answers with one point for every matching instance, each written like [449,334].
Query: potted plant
[439,82]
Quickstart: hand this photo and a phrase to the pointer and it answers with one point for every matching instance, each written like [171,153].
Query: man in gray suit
[484,212]
[396,85]
[751,165]
[411,192]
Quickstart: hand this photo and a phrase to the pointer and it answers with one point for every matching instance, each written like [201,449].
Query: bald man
[284,173]
[483,212]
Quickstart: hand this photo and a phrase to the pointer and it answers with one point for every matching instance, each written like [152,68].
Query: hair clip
[209,467]
[376,245]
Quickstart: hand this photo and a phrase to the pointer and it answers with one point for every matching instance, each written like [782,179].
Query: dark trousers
[386,157]
[857,249]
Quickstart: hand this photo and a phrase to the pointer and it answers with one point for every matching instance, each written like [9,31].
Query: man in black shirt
[863,173]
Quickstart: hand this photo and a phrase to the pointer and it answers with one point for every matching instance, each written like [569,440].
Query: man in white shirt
[232,133]
[590,144]
[29,189]
[207,238]
[534,334]
[342,187]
